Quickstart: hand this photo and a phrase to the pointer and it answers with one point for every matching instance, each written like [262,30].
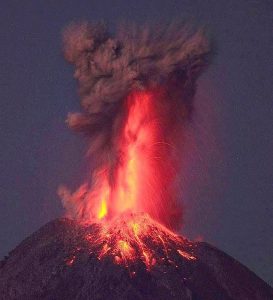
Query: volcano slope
[133,258]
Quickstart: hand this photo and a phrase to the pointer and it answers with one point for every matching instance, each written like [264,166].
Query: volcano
[133,257]
[136,89]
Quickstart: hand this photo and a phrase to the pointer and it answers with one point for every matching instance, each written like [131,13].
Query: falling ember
[136,93]
[70,261]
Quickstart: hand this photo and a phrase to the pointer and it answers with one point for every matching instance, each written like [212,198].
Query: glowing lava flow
[131,239]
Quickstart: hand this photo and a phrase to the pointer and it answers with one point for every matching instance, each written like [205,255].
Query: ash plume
[108,67]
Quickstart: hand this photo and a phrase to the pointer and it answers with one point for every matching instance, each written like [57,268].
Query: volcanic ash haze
[136,90]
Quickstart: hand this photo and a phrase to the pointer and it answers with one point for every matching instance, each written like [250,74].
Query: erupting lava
[141,179]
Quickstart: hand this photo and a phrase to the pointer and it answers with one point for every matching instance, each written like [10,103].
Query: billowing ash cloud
[108,67]
[164,59]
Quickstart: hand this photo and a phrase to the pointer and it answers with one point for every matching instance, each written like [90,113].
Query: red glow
[133,238]
[138,180]
[139,133]
[70,261]
[142,171]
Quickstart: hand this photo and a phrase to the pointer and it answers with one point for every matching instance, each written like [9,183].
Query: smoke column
[136,89]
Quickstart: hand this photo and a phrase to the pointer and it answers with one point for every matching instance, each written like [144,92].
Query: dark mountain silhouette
[58,262]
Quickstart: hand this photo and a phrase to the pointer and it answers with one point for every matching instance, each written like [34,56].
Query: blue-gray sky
[233,209]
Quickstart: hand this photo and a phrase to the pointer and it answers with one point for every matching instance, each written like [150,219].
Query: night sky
[229,202]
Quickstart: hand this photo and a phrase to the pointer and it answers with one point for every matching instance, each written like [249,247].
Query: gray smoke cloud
[108,67]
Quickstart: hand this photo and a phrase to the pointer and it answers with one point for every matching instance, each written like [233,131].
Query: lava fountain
[143,172]
[136,91]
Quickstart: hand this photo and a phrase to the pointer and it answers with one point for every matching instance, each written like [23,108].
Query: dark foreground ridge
[56,263]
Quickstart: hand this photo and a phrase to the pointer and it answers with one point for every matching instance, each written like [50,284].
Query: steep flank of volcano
[131,258]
